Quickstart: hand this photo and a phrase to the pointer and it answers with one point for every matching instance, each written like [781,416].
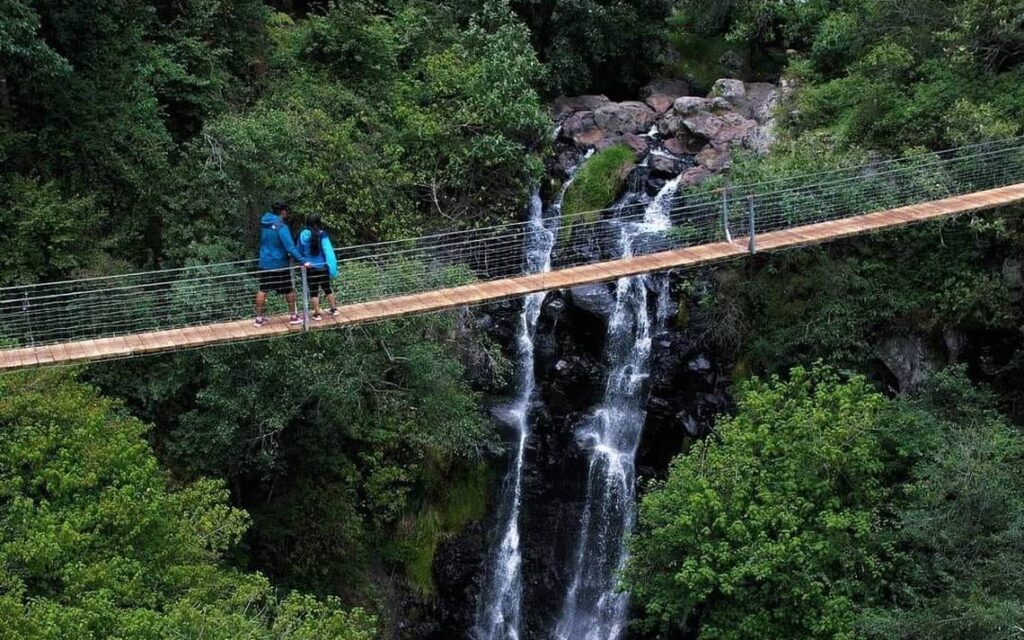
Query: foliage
[95,542]
[599,46]
[462,499]
[771,530]
[596,185]
[878,74]
[823,510]
[959,519]
[345,431]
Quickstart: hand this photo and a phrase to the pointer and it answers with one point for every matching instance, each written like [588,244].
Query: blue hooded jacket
[326,259]
[276,243]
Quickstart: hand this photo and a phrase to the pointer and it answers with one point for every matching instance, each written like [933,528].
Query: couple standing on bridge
[314,253]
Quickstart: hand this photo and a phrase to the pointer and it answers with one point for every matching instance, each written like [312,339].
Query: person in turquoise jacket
[318,252]
[276,250]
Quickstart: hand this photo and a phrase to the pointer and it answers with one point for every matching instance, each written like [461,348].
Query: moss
[596,185]
[464,500]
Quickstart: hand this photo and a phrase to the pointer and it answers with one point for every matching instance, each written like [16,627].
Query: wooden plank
[479,292]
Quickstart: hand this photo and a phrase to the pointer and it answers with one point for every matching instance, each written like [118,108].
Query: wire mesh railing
[65,311]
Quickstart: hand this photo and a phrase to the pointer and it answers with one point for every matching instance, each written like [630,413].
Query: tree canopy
[97,542]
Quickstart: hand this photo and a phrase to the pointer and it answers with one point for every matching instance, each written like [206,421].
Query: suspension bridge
[201,305]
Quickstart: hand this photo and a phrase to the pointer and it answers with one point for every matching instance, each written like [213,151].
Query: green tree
[771,528]
[959,520]
[96,542]
[346,432]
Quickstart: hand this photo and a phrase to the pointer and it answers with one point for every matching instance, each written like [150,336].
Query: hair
[315,224]
[278,207]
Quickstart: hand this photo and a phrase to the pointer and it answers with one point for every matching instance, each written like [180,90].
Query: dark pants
[276,281]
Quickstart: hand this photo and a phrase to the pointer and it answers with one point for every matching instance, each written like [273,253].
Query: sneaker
[317,317]
[333,311]
[295,319]
[260,321]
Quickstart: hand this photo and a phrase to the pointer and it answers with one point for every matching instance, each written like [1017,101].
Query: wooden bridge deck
[470,294]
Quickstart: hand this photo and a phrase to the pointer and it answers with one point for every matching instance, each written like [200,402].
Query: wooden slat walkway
[205,335]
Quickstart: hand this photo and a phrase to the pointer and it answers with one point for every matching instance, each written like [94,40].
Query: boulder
[595,299]
[664,165]
[714,157]
[759,139]
[730,89]
[692,104]
[577,122]
[661,94]
[910,359]
[636,142]
[719,129]
[674,146]
[683,145]
[670,125]
[694,176]
[754,100]
[624,117]
[564,104]
[703,125]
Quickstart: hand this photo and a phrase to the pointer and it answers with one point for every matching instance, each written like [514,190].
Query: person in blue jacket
[276,247]
[318,253]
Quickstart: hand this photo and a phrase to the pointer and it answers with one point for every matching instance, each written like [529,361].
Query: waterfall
[594,608]
[498,612]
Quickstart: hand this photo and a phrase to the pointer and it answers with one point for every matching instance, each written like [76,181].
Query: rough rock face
[910,359]
[618,118]
[677,132]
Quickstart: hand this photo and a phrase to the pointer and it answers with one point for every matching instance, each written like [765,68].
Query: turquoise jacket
[326,259]
[276,243]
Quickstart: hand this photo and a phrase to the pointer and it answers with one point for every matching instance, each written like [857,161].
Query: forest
[830,441]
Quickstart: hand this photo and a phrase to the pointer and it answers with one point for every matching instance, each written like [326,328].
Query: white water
[499,609]
[594,608]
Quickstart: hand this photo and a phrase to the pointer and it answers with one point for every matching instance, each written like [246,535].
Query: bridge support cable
[438,266]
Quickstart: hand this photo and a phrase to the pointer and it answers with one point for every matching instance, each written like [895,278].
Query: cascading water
[498,612]
[594,608]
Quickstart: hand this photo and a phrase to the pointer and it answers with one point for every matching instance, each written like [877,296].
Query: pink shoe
[260,321]
[295,319]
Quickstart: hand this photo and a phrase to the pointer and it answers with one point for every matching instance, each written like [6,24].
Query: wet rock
[624,117]
[457,573]
[565,104]
[689,423]
[660,94]
[596,299]
[700,363]
[666,166]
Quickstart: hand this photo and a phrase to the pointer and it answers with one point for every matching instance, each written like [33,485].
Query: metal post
[750,212]
[28,319]
[725,214]
[305,299]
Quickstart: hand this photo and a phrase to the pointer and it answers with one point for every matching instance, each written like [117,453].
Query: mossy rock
[596,185]
[465,500]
